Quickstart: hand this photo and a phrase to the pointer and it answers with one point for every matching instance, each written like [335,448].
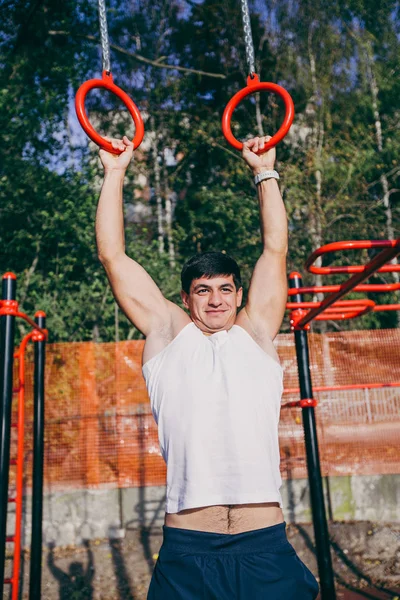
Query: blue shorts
[254,565]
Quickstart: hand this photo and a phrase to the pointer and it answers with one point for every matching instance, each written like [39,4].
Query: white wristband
[266,175]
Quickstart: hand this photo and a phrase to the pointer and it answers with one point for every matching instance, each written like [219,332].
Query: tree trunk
[116,321]
[317,146]
[168,218]
[259,116]
[157,189]
[374,89]
[25,288]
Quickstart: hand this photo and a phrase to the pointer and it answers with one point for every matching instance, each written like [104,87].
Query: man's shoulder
[257,332]
[165,332]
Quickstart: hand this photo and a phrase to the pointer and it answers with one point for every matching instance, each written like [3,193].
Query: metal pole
[38,459]
[327,583]
[7,325]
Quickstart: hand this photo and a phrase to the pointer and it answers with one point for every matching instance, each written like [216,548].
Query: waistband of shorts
[254,541]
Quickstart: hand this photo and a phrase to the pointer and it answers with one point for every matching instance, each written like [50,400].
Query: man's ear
[185,299]
[239,297]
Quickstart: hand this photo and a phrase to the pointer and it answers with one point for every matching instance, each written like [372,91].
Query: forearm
[110,235]
[273,218]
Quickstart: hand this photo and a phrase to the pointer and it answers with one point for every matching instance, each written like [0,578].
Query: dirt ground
[366,560]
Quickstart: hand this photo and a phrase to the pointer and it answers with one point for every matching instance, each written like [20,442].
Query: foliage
[324,53]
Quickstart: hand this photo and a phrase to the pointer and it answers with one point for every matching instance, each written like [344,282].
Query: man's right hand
[258,163]
[117,162]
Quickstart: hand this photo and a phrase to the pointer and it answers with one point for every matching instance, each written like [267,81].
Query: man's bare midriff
[235,518]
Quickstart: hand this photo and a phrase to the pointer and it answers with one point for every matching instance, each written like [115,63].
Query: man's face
[213,303]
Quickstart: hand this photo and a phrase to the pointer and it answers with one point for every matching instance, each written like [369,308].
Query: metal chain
[248,38]
[105,44]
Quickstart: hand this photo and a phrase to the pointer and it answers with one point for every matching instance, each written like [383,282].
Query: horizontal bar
[345,305]
[325,289]
[337,316]
[382,307]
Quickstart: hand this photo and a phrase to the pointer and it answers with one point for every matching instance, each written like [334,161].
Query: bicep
[137,294]
[267,295]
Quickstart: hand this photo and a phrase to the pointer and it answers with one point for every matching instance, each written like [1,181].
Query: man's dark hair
[209,264]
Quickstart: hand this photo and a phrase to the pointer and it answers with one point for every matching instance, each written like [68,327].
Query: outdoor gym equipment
[331,308]
[107,83]
[38,335]
[255,85]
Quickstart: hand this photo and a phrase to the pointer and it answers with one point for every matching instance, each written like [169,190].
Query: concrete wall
[72,516]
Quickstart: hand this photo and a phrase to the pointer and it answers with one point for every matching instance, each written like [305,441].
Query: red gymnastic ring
[107,83]
[254,85]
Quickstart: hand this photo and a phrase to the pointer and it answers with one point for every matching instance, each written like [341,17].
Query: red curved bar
[255,85]
[341,310]
[351,245]
[10,307]
[107,83]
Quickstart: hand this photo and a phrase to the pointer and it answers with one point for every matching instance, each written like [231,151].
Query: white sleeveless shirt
[216,401]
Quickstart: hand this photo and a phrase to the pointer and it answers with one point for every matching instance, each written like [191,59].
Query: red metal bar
[341,316]
[392,249]
[382,307]
[20,465]
[341,305]
[325,289]
[339,311]
[352,245]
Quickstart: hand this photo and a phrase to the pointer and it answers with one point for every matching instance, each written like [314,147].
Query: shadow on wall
[77,582]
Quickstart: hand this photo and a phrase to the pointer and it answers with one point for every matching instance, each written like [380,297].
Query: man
[215,386]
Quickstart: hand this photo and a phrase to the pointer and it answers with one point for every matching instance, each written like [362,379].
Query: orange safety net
[100,431]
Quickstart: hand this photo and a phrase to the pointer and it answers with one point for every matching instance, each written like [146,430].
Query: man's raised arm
[267,296]
[134,290]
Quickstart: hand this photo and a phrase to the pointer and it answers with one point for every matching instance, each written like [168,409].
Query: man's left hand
[262,162]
